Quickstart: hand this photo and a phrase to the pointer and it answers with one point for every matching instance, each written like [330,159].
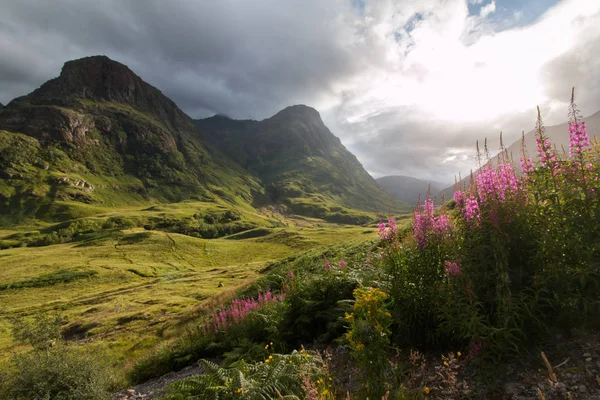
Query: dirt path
[154,388]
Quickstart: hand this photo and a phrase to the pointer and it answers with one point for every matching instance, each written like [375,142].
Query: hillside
[301,163]
[98,135]
[557,134]
[409,189]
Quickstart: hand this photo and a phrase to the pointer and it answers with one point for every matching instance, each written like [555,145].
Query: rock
[511,388]
[587,355]
[582,389]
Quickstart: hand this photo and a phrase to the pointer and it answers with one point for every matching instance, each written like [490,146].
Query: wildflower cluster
[452,268]
[491,188]
[427,226]
[388,232]
[236,312]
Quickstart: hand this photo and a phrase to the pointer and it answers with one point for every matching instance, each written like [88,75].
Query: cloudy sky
[408,85]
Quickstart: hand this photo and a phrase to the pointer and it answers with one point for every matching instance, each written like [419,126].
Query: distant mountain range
[409,189]
[558,135]
[99,135]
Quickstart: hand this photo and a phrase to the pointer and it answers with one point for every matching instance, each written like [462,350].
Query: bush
[52,369]
[369,338]
[288,375]
[517,258]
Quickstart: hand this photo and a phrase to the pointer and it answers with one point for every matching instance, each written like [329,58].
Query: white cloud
[471,88]
[487,9]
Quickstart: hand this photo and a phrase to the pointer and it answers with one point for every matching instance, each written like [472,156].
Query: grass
[131,288]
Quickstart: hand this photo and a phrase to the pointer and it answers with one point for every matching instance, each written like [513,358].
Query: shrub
[53,369]
[369,337]
[278,376]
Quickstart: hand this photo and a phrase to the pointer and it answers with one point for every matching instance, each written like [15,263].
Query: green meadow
[121,280]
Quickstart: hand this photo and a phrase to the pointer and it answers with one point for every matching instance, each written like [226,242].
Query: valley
[131,287]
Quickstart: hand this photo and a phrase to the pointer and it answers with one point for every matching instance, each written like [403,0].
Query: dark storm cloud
[245,59]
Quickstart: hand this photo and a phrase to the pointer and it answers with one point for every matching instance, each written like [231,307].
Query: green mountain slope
[99,135]
[302,164]
[408,188]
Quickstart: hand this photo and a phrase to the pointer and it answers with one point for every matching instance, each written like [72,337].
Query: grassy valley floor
[131,288]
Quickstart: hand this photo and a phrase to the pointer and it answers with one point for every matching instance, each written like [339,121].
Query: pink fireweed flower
[387,232]
[527,165]
[546,154]
[235,312]
[471,209]
[382,231]
[426,224]
[452,268]
[342,263]
[327,265]
[459,199]
[578,138]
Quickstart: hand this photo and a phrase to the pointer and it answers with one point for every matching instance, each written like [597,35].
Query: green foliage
[53,369]
[314,306]
[369,338]
[278,375]
[415,279]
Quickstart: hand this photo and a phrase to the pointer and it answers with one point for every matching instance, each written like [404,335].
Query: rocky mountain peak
[299,112]
[99,78]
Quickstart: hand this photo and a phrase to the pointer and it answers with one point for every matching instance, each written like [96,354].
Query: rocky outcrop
[49,123]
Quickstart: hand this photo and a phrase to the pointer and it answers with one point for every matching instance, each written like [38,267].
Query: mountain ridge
[101,124]
[299,160]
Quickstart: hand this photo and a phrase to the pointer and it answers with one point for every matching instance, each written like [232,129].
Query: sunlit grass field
[132,288]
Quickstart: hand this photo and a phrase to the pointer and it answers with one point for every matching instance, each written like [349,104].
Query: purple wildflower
[578,138]
[452,268]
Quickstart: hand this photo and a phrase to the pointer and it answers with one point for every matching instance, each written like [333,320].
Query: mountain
[99,134]
[1,106]
[408,189]
[301,163]
[558,135]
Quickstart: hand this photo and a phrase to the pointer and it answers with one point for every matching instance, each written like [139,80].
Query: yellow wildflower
[266,347]
[426,390]
[239,390]
[270,357]
[459,354]
[325,392]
